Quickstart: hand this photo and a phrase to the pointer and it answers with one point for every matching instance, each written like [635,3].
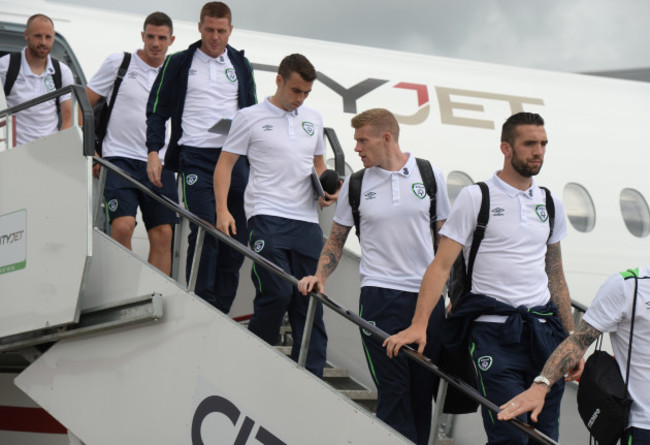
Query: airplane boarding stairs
[156,364]
[134,356]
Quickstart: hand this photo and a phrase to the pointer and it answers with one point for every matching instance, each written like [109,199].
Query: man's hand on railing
[413,334]
[311,283]
[226,223]
[154,169]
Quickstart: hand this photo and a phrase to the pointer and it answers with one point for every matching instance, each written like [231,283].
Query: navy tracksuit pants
[294,246]
[505,370]
[405,389]
[218,274]
[636,436]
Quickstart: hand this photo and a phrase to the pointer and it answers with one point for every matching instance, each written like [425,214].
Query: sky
[562,35]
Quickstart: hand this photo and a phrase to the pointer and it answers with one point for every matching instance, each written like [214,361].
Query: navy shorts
[123,198]
[636,436]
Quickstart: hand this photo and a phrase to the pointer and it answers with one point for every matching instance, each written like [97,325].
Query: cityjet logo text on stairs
[11,237]
[221,405]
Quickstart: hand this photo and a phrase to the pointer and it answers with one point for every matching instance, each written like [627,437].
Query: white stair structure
[136,358]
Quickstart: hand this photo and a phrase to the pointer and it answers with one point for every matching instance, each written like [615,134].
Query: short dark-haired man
[196,88]
[36,77]
[396,248]
[284,142]
[125,142]
[519,308]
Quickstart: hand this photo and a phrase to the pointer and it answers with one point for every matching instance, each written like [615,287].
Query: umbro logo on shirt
[498,211]
[132,75]
[192,72]
[267,128]
[370,195]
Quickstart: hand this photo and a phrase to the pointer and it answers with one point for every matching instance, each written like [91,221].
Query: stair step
[339,379]
[286,350]
[284,329]
[328,373]
[335,373]
[359,394]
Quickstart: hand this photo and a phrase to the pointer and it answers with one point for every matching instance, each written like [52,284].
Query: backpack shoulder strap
[58,82]
[102,125]
[354,196]
[12,71]
[121,72]
[481,224]
[550,208]
[429,180]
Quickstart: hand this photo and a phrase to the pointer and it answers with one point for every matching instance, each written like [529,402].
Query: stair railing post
[198,247]
[100,219]
[437,412]
[306,333]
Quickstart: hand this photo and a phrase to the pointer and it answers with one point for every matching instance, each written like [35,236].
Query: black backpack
[428,178]
[460,277]
[103,109]
[603,398]
[14,69]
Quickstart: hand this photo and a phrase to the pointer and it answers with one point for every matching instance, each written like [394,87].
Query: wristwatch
[541,380]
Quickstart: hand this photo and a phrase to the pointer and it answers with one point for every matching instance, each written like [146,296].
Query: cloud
[577,35]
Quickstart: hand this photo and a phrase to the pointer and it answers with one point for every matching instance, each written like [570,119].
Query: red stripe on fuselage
[31,420]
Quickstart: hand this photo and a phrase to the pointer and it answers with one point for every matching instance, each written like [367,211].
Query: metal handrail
[80,96]
[454,381]
[339,155]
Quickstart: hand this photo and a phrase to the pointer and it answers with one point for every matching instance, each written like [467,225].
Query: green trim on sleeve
[630,273]
[162,79]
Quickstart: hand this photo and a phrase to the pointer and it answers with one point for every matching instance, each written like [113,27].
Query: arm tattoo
[558,287]
[569,352]
[331,254]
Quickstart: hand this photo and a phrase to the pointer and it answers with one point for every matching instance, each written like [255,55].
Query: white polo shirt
[510,265]
[611,311]
[126,134]
[42,119]
[280,146]
[396,240]
[212,94]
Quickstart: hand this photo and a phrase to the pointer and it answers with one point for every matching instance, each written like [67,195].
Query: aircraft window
[636,214]
[579,207]
[455,182]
